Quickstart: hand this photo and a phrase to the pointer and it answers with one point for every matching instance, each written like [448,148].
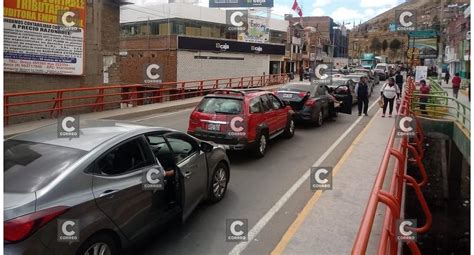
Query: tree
[384,45]
[395,45]
[375,45]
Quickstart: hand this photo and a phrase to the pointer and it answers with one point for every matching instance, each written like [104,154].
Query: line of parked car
[96,187]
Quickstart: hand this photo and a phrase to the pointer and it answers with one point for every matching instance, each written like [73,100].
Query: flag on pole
[296,7]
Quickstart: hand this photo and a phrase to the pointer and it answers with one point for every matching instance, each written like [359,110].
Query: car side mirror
[206,147]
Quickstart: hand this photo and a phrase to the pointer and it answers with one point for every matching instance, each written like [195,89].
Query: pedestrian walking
[424,91]
[399,81]
[389,92]
[362,92]
[456,81]
[301,72]
[446,77]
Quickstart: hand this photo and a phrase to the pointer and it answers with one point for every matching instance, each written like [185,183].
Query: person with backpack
[389,92]
[456,81]
[362,92]
[399,81]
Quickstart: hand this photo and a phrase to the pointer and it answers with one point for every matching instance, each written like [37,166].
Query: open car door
[192,170]
[343,93]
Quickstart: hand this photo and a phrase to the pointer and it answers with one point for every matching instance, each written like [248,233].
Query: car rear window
[299,87]
[336,83]
[29,166]
[220,105]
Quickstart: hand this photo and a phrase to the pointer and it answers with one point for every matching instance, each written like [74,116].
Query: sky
[347,11]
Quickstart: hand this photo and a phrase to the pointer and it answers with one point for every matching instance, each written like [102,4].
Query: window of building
[163,29]
[154,28]
[178,28]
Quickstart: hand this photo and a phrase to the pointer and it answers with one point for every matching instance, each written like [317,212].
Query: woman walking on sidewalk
[388,92]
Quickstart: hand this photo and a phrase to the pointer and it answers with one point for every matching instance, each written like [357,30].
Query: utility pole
[441,44]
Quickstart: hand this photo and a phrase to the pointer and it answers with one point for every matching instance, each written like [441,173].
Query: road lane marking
[295,226]
[238,248]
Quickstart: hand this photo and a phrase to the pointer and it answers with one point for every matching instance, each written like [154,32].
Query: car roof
[91,133]
[238,93]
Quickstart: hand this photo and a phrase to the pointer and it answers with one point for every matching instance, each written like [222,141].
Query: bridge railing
[453,109]
[392,197]
[53,103]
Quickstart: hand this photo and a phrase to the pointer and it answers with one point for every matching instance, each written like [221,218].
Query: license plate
[213,127]
[287,95]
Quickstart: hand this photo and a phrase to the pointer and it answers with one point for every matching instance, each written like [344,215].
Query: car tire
[319,119]
[290,128]
[99,241]
[260,146]
[220,179]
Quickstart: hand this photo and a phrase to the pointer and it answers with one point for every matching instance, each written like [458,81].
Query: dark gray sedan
[100,192]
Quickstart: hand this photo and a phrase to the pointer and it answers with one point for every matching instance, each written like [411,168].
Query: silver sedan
[100,192]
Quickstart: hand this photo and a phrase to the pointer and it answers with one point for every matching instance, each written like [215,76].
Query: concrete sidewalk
[332,224]
[117,114]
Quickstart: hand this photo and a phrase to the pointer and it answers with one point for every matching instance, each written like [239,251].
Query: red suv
[242,119]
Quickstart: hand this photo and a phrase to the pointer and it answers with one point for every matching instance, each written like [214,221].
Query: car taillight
[310,102]
[24,226]
[302,94]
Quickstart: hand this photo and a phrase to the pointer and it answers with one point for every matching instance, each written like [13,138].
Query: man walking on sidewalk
[399,81]
[362,92]
[456,84]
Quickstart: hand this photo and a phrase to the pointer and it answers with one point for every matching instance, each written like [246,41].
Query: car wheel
[100,244]
[260,145]
[218,187]
[290,129]
[319,119]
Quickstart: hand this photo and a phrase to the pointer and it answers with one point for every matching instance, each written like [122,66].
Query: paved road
[255,186]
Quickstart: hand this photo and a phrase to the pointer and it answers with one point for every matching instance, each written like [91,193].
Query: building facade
[458,37]
[315,39]
[194,43]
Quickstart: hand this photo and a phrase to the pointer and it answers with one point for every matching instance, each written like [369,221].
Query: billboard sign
[257,30]
[44,37]
[240,3]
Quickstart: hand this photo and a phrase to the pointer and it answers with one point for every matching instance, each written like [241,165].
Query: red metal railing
[53,102]
[393,197]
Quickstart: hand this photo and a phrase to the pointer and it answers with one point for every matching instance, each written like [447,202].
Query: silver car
[98,193]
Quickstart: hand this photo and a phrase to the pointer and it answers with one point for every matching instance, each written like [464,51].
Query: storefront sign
[45,37]
[204,44]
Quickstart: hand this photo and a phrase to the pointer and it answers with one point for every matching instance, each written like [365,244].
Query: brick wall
[132,65]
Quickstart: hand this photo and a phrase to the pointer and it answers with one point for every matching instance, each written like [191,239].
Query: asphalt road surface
[255,186]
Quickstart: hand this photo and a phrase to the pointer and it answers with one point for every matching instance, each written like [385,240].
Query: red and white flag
[296,7]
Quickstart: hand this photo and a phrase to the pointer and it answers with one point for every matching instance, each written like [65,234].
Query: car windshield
[29,166]
[220,105]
